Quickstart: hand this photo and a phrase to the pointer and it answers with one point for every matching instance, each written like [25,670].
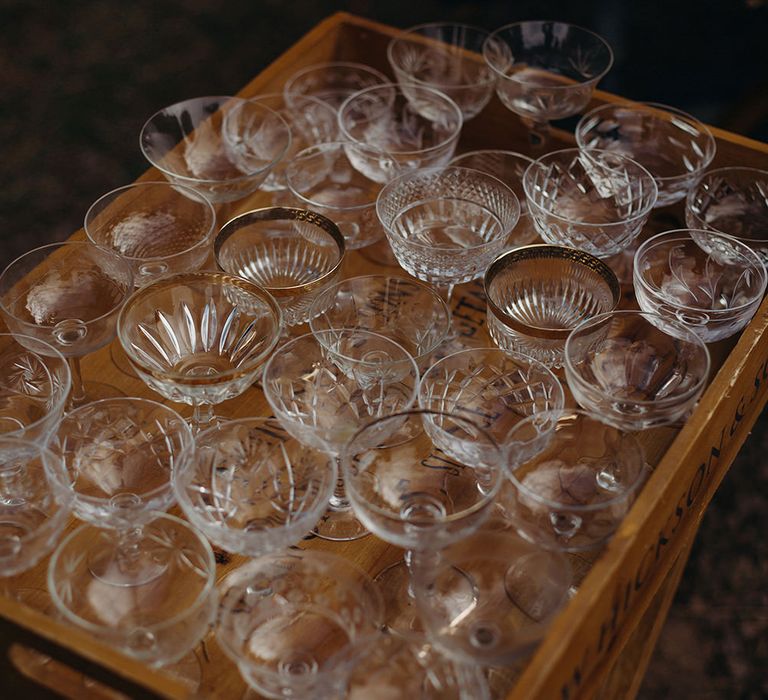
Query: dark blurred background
[78,80]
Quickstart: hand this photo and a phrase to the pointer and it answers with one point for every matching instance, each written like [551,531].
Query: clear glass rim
[120,261]
[203,596]
[406,37]
[548,157]
[50,351]
[397,87]
[215,279]
[496,34]
[197,181]
[425,173]
[289,92]
[749,256]
[511,155]
[573,375]
[390,515]
[438,302]
[641,477]
[650,108]
[189,193]
[60,471]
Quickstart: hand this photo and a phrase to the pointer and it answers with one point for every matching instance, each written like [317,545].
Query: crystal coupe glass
[332,82]
[733,201]
[297,623]
[34,387]
[113,459]
[407,311]
[68,295]
[596,201]
[158,227]
[199,338]
[251,488]
[635,369]
[193,143]
[323,391]
[413,495]
[671,144]
[447,57]
[294,254]
[546,70]
[415,132]
[446,224]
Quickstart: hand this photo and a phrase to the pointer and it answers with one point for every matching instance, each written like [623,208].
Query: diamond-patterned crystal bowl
[446,224]
[709,282]
[623,367]
[671,144]
[596,201]
[218,146]
[419,131]
[201,337]
[733,201]
[447,57]
[495,389]
[294,254]
[536,295]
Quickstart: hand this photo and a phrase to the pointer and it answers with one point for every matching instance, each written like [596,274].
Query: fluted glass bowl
[625,367]
[251,488]
[222,154]
[294,254]
[412,136]
[537,294]
[671,144]
[709,282]
[596,201]
[733,201]
[445,225]
[199,338]
[332,82]
[447,57]
[159,228]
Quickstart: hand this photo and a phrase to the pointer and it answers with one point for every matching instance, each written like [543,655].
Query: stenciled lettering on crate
[630,586]
[469,309]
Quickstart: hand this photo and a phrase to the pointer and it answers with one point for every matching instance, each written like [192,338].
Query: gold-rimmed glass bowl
[159,228]
[537,294]
[199,338]
[292,253]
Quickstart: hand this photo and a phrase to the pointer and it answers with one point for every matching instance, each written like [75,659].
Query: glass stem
[338,500]
[128,547]
[77,394]
[538,133]
[202,415]
[422,560]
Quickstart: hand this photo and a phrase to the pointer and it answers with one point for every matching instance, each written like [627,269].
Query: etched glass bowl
[157,622]
[574,493]
[546,70]
[709,282]
[199,338]
[733,201]
[445,225]
[596,201]
[412,136]
[626,367]
[297,623]
[159,228]
[293,253]
[494,389]
[223,157]
[447,57]
[31,515]
[490,598]
[331,82]
[251,488]
[323,178]
[409,312]
[537,294]
[310,119]
[508,167]
[34,387]
[672,145]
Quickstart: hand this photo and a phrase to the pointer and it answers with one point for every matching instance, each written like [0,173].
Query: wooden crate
[600,644]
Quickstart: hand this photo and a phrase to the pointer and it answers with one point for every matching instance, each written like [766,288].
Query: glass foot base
[400,613]
[340,526]
[96,391]
[137,569]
